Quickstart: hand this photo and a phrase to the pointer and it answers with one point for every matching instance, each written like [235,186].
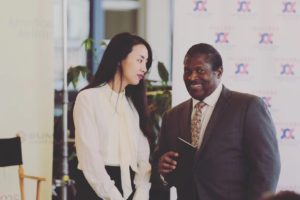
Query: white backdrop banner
[26,85]
[259,43]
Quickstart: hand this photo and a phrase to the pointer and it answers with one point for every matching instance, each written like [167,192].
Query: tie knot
[199,105]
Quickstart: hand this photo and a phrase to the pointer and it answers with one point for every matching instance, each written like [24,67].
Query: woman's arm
[142,176]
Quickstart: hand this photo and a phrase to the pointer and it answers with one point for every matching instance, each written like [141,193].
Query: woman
[111,125]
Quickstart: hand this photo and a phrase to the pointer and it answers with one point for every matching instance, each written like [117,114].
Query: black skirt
[85,192]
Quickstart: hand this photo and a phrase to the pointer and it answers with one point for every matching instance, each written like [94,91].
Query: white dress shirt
[107,132]
[207,110]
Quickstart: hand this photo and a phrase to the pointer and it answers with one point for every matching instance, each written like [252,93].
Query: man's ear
[219,72]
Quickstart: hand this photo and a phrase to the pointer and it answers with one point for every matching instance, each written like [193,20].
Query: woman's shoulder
[92,91]
[90,95]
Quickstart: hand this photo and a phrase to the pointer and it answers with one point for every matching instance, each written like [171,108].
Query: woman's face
[134,65]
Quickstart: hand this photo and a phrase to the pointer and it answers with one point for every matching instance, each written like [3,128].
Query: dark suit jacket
[238,158]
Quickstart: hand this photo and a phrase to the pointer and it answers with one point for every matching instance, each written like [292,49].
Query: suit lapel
[185,116]
[217,114]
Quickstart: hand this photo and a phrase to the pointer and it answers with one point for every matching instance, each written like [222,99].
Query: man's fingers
[167,163]
[165,171]
[169,157]
[168,166]
[172,154]
[169,160]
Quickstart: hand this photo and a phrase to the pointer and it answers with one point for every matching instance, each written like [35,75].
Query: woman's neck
[116,85]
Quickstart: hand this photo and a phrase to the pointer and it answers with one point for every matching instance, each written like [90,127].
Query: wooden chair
[11,155]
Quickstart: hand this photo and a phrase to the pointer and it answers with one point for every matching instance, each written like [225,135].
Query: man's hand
[167,163]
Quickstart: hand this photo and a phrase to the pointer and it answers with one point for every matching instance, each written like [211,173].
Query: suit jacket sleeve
[162,148]
[261,150]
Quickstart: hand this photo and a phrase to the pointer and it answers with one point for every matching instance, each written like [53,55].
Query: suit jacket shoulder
[237,96]
[179,108]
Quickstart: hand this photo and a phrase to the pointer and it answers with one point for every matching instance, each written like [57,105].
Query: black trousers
[85,192]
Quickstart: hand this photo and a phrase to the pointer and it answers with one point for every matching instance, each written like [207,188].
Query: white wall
[26,85]
[158,33]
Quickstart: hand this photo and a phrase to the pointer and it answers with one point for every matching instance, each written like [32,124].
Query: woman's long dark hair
[117,50]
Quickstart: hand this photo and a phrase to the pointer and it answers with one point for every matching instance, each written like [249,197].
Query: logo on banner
[222,37]
[36,137]
[289,7]
[241,68]
[287,69]
[200,5]
[266,38]
[268,95]
[244,7]
[267,100]
[9,196]
[287,133]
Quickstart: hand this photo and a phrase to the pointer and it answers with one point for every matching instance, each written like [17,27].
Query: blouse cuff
[163,180]
[142,192]
[114,194]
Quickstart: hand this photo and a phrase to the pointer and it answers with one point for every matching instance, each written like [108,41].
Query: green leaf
[103,43]
[74,72]
[70,75]
[163,73]
[88,43]
[83,70]
[75,81]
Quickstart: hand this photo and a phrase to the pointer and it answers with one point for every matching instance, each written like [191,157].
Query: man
[237,155]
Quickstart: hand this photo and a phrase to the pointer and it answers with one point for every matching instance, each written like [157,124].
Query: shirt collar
[114,95]
[212,99]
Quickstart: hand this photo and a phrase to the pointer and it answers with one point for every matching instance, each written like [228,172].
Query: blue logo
[287,69]
[266,38]
[222,37]
[267,101]
[200,5]
[244,6]
[289,7]
[287,133]
[241,68]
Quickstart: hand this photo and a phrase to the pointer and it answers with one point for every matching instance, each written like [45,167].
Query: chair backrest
[10,152]
[10,155]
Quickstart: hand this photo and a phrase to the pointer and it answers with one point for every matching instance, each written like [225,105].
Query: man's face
[199,78]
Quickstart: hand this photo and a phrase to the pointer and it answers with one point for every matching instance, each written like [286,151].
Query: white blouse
[107,132]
